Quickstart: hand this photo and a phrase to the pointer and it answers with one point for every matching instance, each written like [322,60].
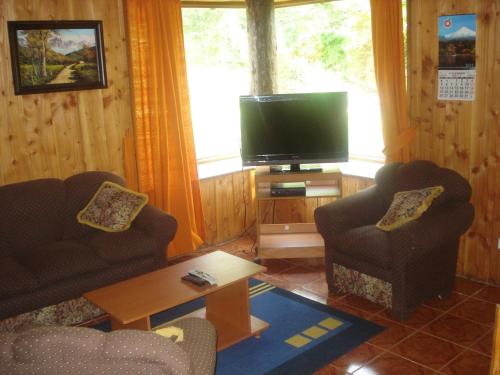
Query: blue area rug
[303,336]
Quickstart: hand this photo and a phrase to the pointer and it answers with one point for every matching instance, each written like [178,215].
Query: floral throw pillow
[407,206]
[112,208]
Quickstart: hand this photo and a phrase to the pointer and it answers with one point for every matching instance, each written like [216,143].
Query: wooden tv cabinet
[292,240]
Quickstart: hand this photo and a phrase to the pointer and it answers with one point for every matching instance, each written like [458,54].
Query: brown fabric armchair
[410,264]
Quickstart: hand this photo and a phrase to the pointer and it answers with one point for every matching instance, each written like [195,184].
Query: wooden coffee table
[130,303]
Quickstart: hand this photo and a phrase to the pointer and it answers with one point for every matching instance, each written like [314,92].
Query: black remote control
[195,280]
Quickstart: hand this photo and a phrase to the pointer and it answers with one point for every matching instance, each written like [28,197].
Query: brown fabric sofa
[50,350]
[47,257]
[409,264]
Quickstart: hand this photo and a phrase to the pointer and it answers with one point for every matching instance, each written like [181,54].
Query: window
[320,47]
[328,47]
[218,71]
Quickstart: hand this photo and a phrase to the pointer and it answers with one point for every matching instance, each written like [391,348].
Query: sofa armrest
[362,208]
[431,231]
[159,224]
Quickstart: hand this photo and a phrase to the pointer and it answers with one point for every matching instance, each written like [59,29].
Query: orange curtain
[388,56]
[164,146]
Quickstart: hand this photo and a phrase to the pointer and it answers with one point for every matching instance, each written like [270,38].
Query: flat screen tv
[294,129]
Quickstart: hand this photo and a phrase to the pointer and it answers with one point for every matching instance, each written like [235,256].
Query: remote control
[203,275]
[194,279]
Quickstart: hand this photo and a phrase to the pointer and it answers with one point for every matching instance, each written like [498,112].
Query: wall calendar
[457,62]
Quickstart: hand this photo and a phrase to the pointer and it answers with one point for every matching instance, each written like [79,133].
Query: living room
[61,134]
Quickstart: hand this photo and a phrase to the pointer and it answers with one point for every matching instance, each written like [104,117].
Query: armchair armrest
[419,237]
[362,208]
[158,224]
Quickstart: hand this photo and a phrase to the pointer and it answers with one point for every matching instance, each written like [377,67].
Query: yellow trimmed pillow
[112,208]
[408,205]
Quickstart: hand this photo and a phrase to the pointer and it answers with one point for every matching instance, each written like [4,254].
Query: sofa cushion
[367,244]
[32,212]
[80,189]
[112,208]
[15,278]
[123,246]
[61,260]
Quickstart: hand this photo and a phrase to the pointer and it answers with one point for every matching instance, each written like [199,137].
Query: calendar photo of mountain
[457,41]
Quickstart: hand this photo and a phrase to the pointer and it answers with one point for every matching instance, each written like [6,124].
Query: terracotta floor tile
[390,364]
[337,304]
[420,317]
[468,363]
[427,350]
[300,275]
[477,310]
[393,333]
[356,358]
[490,294]
[319,287]
[484,344]
[330,370]
[447,303]
[468,287]
[275,266]
[362,303]
[310,295]
[460,331]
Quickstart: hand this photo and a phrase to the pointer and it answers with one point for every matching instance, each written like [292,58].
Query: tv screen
[294,128]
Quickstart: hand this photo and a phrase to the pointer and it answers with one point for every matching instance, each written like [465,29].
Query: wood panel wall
[60,134]
[228,205]
[462,135]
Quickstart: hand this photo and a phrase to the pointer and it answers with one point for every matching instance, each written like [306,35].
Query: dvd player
[288,189]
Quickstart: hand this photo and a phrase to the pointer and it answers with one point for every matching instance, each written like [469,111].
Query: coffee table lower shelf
[230,335]
[227,334]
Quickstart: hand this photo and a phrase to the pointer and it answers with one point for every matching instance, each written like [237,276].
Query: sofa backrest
[419,174]
[39,212]
[32,213]
[80,189]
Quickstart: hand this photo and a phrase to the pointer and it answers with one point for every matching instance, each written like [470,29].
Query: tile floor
[451,336]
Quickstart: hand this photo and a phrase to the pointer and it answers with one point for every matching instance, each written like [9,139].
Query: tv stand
[294,168]
[292,240]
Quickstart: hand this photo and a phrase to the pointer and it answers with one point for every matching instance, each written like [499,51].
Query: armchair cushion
[367,244]
[407,206]
[112,208]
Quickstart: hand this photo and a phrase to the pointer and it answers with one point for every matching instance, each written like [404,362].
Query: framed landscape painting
[52,56]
